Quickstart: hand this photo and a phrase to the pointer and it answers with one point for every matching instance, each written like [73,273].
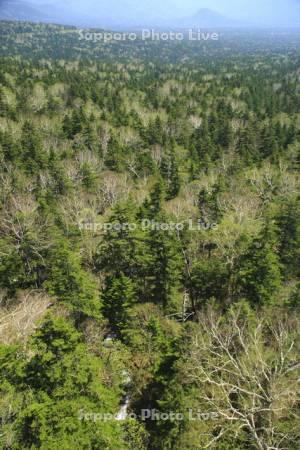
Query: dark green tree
[118,296]
[259,274]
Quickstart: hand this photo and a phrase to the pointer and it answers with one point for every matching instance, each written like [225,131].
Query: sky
[256,12]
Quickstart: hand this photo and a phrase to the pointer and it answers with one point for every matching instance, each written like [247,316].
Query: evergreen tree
[33,155]
[259,274]
[118,297]
[166,264]
[11,150]
[288,221]
[124,249]
[209,279]
[170,174]
[70,284]
[59,383]
[114,155]
[153,206]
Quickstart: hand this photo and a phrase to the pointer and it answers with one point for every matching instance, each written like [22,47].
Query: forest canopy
[101,314]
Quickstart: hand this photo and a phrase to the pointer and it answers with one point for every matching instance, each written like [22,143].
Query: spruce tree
[117,298]
[259,274]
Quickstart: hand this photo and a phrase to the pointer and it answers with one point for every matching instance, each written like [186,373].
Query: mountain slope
[207,18]
[20,10]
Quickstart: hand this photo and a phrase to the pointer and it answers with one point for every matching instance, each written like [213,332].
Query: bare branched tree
[248,371]
[19,321]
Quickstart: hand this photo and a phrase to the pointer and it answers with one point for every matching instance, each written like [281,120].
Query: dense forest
[149,242]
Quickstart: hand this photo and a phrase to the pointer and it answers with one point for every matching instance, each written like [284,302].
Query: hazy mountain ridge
[134,14]
[207,18]
[20,10]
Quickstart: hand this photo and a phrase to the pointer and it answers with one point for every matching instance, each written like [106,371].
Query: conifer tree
[170,173]
[259,274]
[33,155]
[118,297]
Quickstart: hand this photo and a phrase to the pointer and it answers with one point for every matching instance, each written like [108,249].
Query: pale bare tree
[112,187]
[247,369]
[19,321]
[269,181]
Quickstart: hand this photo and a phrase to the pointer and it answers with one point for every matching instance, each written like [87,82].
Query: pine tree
[269,143]
[155,133]
[165,268]
[170,174]
[114,155]
[33,155]
[117,298]
[288,221]
[124,249]
[53,385]
[69,282]
[153,206]
[259,274]
[10,148]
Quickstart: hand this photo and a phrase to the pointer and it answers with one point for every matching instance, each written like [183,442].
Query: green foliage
[170,173]
[9,147]
[259,273]
[209,278]
[114,156]
[33,155]
[102,147]
[118,297]
[165,267]
[70,284]
[63,383]
[288,221]
[123,249]
[294,300]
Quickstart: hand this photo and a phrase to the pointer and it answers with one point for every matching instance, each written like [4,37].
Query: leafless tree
[248,371]
[19,321]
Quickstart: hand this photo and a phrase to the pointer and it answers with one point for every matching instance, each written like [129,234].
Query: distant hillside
[207,18]
[126,14]
[18,10]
